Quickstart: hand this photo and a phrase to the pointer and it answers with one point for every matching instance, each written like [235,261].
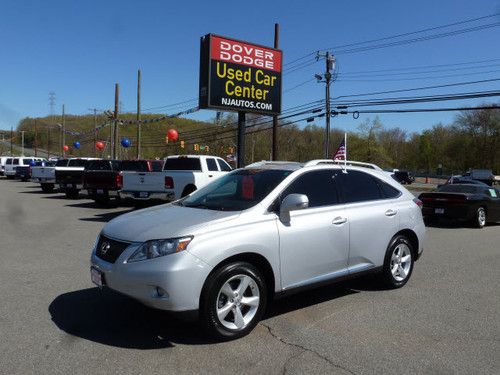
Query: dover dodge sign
[238,76]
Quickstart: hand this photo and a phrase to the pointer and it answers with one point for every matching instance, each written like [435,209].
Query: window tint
[182,164]
[98,165]
[211,165]
[77,163]
[62,163]
[224,166]
[9,161]
[387,190]
[357,186]
[319,186]
[471,189]
[134,165]
[27,161]
[16,161]
[157,165]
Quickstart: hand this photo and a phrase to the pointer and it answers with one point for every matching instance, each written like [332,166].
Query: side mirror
[292,202]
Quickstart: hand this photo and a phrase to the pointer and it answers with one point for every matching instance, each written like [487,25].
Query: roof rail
[342,162]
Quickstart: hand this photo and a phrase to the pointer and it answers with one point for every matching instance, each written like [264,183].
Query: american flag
[341,151]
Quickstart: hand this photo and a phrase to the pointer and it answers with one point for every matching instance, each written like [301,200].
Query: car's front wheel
[233,300]
[398,264]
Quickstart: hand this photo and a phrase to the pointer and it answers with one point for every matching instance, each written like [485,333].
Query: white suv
[259,232]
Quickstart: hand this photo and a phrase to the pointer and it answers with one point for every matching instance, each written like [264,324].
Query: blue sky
[79,49]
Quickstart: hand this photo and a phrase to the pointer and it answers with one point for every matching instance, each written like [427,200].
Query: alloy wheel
[400,262]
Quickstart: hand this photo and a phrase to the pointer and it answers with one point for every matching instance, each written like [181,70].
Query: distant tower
[52,102]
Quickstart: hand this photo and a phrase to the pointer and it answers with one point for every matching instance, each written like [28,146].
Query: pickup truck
[45,174]
[23,172]
[70,177]
[181,175]
[103,178]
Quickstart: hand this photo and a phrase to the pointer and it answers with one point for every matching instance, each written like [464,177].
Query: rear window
[9,161]
[62,163]
[134,166]
[98,165]
[77,163]
[455,188]
[157,165]
[182,164]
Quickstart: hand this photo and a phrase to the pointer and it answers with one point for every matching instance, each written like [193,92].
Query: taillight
[418,202]
[119,180]
[169,182]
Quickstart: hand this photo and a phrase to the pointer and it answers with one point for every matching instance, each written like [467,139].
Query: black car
[403,177]
[474,203]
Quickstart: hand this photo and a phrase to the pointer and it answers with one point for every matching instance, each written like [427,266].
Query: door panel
[312,247]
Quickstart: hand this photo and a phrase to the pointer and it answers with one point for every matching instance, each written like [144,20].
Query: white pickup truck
[45,174]
[181,175]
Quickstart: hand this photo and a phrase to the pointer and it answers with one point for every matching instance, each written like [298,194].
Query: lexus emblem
[105,247]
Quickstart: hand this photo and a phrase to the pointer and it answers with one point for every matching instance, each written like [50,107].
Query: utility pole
[275,118]
[330,62]
[22,142]
[115,122]
[48,142]
[95,132]
[36,144]
[138,140]
[63,133]
[11,139]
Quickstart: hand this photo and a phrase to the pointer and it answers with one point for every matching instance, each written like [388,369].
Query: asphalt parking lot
[53,321]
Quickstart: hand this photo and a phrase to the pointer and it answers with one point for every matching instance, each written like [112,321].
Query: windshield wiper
[198,205]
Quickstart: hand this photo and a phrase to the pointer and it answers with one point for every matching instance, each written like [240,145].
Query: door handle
[390,212]
[210,175]
[339,220]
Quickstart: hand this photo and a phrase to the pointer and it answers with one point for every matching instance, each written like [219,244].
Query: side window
[319,187]
[357,186]
[224,166]
[15,162]
[387,190]
[211,164]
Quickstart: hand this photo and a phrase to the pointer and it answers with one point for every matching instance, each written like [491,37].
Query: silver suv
[259,232]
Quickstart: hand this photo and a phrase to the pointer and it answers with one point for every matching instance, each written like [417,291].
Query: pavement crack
[303,350]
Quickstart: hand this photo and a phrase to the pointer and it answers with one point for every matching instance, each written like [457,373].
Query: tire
[47,188]
[9,177]
[222,295]
[188,190]
[480,218]
[398,263]
[72,193]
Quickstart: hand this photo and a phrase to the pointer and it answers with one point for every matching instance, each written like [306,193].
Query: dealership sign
[239,76]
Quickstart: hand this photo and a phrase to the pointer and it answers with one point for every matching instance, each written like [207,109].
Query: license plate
[439,210]
[96,276]
[100,191]
[143,194]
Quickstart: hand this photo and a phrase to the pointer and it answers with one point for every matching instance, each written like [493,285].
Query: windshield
[236,191]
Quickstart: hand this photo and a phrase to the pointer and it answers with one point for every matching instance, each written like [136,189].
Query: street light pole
[22,142]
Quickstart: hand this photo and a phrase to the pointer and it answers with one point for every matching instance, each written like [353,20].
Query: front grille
[109,250]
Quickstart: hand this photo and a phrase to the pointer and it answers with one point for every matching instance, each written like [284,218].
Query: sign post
[241,77]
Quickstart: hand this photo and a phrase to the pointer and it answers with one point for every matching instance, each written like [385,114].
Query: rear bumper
[456,213]
[65,186]
[148,195]
[43,180]
[102,193]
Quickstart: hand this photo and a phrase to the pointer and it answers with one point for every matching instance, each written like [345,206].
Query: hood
[165,221]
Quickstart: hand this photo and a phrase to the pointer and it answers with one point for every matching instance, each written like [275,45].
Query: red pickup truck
[103,179]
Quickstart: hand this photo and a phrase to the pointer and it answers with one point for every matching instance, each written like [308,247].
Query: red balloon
[99,145]
[172,135]
[66,148]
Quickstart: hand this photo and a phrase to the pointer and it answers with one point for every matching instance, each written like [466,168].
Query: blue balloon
[32,163]
[76,145]
[125,142]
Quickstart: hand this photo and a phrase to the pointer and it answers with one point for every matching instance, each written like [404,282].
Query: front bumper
[180,276]
[148,195]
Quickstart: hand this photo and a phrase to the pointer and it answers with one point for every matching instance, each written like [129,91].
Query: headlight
[158,248]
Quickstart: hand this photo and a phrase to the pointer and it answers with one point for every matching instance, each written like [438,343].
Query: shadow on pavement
[109,318]
[35,192]
[105,217]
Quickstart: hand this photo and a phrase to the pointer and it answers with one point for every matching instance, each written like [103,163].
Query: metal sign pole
[241,140]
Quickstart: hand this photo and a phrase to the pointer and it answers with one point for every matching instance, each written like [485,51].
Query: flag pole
[345,145]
